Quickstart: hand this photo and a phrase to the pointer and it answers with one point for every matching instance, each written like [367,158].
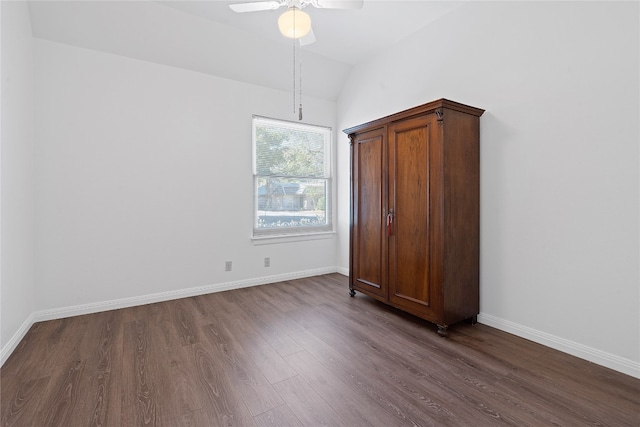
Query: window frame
[300,232]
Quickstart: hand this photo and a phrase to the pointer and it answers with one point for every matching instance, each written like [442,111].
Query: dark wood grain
[247,379]
[352,408]
[419,169]
[103,368]
[281,416]
[306,404]
[184,322]
[261,317]
[224,403]
[369,194]
[139,388]
[411,143]
[62,403]
[52,343]
[367,384]
[259,351]
[103,372]
[295,353]
[172,364]
[20,400]
[421,400]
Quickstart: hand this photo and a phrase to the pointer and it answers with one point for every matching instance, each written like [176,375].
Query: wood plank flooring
[297,353]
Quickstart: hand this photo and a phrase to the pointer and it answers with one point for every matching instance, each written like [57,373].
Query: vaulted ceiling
[206,36]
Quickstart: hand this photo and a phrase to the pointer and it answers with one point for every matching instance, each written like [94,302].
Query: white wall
[559,160]
[17,189]
[144,181]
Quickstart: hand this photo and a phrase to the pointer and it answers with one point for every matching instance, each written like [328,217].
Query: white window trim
[270,240]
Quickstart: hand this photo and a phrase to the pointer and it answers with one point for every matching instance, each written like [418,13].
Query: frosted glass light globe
[302,23]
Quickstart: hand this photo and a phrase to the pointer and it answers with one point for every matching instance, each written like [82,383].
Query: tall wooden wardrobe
[415,195]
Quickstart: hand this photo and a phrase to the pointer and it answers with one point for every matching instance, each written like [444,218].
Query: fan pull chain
[294,63]
[300,86]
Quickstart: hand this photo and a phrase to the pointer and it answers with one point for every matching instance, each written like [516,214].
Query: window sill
[270,240]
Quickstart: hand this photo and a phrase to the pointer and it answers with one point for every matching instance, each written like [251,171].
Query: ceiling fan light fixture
[294,23]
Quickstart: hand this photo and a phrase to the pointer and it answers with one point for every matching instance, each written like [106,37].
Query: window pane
[291,202]
[292,180]
[289,150]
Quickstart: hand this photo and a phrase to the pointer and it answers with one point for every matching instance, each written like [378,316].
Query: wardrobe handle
[390,223]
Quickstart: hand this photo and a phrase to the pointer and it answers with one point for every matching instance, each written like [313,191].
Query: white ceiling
[206,36]
[344,35]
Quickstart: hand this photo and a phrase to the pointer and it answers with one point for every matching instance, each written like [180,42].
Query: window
[292,178]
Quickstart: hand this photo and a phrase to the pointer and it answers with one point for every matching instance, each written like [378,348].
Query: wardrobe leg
[442,330]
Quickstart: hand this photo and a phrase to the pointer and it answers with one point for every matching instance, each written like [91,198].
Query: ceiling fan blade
[255,6]
[339,4]
[308,38]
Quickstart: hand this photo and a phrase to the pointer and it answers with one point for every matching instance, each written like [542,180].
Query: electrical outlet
[227,266]
[267,262]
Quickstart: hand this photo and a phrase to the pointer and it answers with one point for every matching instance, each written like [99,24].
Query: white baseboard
[599,357]
[78,310]
[617,363]
[15,339]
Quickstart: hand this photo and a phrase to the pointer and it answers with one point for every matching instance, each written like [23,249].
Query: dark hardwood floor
[298,353]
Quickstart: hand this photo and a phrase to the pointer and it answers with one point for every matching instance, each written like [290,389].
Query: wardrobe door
[414,155]
[369,248]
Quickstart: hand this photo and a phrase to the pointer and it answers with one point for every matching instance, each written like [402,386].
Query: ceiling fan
[295,23]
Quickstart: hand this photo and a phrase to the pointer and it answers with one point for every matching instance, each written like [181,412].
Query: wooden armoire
[415,196]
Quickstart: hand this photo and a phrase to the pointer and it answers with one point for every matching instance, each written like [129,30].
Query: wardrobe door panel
[369,255]
[409,190]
